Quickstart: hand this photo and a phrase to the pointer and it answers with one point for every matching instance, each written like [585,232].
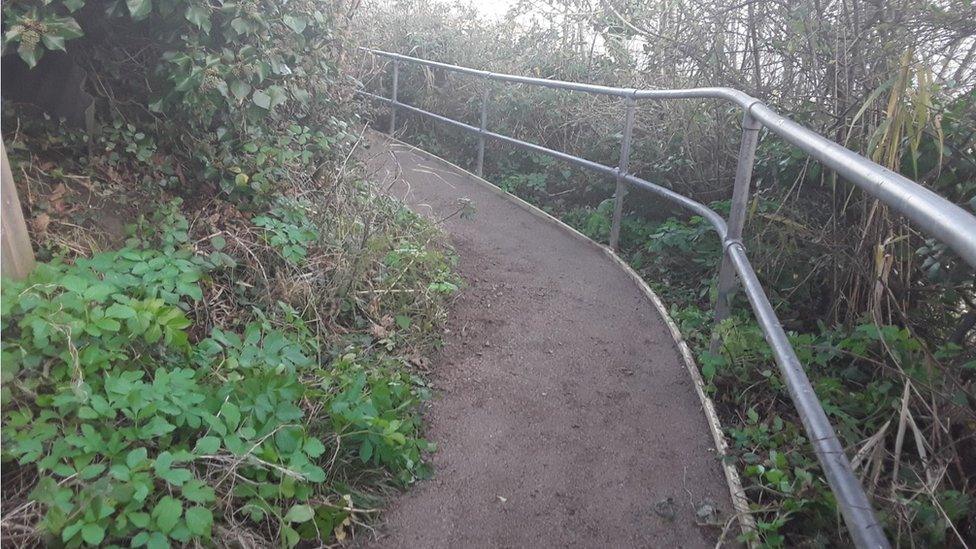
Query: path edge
[736,492]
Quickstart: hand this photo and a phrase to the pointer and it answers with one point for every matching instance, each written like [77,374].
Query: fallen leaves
[40,223]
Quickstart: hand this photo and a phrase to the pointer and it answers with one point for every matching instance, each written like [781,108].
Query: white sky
[492,8]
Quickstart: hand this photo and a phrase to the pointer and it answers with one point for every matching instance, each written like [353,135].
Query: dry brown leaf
[41,222]
[379,332]
[58,193]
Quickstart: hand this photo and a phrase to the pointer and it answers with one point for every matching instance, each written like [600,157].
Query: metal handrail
[936,215]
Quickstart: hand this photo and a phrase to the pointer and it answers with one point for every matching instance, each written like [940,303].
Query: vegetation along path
[565,415]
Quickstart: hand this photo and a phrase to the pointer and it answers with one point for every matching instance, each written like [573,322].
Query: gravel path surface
[564,415]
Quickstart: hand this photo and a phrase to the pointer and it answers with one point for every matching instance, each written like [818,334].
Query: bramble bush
[288,230]
[139,432]
[243,366]
[219,88]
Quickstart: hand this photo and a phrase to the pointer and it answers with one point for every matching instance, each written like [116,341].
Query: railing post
[618,203]
[393,109]
[480,168]
[17,254]
[737,218]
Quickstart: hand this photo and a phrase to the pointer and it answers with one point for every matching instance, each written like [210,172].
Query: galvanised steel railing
[935,215]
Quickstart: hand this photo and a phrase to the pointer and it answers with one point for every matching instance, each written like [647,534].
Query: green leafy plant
[35,30]
[135,430]
[237,364]
[288,229]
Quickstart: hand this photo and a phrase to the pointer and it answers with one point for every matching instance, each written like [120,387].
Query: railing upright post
[15,245]
[396,85]
[737,218]
[618,203]
[480,168]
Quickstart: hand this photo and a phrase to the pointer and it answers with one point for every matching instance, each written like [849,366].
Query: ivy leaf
[166,513]
[73,5]
[53,42]
[191,80]
[260,99]
[248,52]
[295,23]
[30,54]
[299,513]
[277,95]
[66,27]
[279,67]
[301,95]
[262,71]
[93,534]
[139,9]
[199,16]
[199,520]
[240,25]
[240,89]
[270,98]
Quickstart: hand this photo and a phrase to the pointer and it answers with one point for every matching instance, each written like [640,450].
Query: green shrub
[288,230]
[251,371]
[242,94]
[138,429]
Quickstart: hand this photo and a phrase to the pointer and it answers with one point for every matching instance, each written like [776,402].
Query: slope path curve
[564,415]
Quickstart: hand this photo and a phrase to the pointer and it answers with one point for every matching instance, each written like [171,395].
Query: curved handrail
[709,214]
[936,215]
[939,217]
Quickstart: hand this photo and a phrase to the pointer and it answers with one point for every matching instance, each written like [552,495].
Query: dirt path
[565,416]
